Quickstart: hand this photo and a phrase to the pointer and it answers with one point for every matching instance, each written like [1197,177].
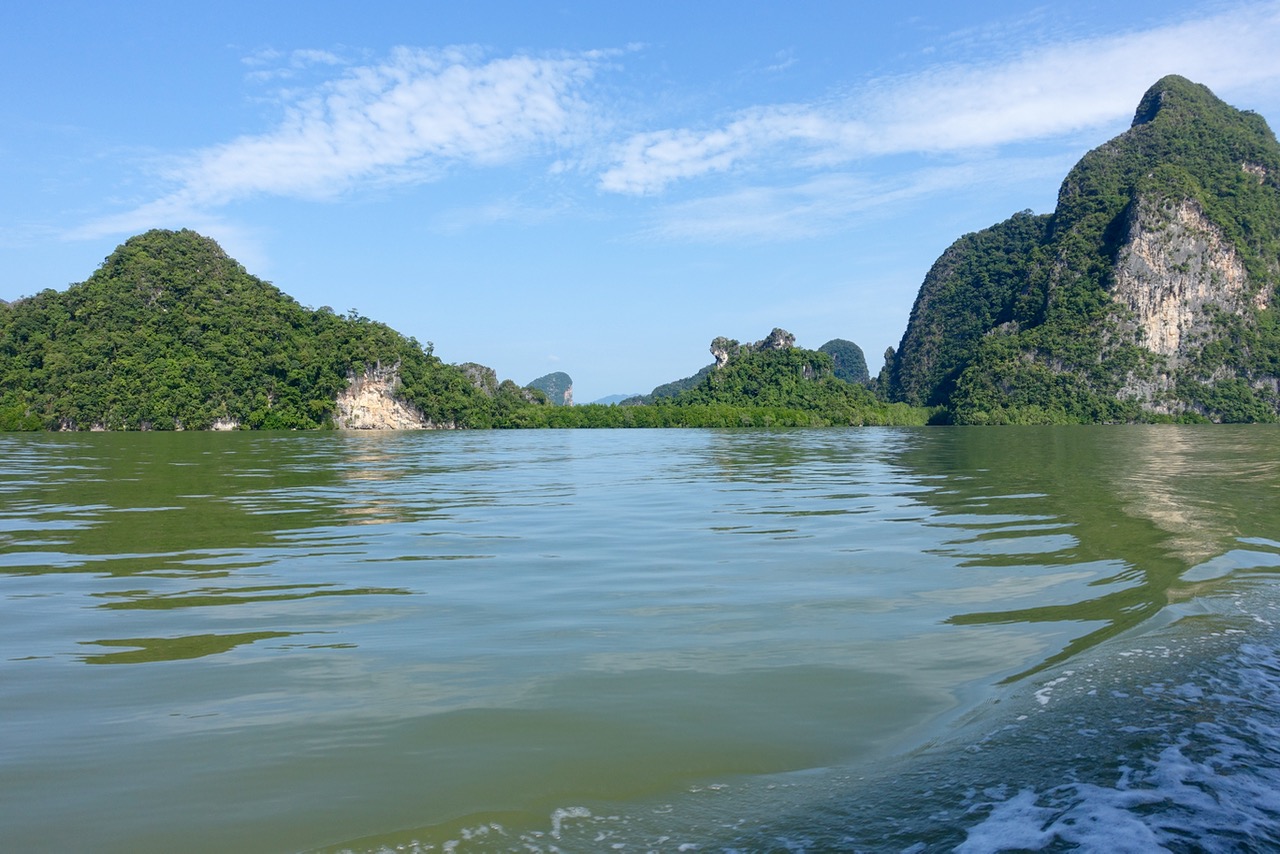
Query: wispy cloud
[784,60]
[406,119]
[1044,91]
[416,114]
[270,64]
[503,210]
[830,201]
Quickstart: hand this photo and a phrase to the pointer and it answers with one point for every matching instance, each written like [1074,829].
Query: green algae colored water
[865,639]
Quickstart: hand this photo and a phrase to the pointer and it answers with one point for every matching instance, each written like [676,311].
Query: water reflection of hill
[183,523]
[125,505]
[1140,505]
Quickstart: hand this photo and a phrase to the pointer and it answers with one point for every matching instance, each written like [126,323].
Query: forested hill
[172,333]
[557,386]
[1149,292]
[768,383]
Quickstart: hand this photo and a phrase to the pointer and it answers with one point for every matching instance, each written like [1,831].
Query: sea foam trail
[1210,779]
[1192,720]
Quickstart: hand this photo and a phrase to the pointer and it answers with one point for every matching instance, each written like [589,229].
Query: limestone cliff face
[725,349]
[1150,289]
[1177,273]
[369,403]
[1175,270]
[482,377]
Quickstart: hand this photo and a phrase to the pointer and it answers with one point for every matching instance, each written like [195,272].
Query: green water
[265,642]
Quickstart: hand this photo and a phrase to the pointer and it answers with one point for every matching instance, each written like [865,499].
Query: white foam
[1214,783]
[558,817]
[1042,696]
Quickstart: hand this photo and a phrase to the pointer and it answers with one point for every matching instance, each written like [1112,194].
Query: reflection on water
[173,649]
[201,597]
[1140,506]
[353,634]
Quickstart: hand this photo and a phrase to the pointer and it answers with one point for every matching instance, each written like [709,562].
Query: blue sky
[597,188]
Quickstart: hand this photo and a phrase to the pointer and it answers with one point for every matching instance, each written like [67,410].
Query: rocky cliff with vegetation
[557,386]
[770,382]
[171,333]
[848,363]
[1149,292]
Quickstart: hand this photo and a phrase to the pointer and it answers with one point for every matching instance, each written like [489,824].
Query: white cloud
[265,56]
[829,202]
[274,65]
[785,59]
[403,120]
[315,57]
[1045,91]
[416,113]
[651,160]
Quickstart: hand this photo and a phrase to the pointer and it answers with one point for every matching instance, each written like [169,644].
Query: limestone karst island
[1148,294]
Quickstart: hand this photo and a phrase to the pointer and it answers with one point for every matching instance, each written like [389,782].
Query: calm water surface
[869,639]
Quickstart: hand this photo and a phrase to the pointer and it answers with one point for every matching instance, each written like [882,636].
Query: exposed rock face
[369,403]
[724,349]
[778,339]
[222,424]
[482,377]
[1174,271]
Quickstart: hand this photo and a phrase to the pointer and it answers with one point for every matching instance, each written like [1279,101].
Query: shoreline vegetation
[1148,295]
[172,334]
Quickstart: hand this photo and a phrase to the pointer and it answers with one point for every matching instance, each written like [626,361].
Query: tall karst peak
[1148,292]
[1171,94]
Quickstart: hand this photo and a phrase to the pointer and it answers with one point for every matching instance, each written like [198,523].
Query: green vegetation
[784,387]
[1020,323]
[849,361]
[764,384]
[558,388]
[171,333]
[671,389]
[1016,324]
[983,281]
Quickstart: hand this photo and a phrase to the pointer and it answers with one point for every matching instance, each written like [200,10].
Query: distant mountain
[171,333]
[558,387]
[850,362]
[1150,291]
[614,399]
[669,390]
